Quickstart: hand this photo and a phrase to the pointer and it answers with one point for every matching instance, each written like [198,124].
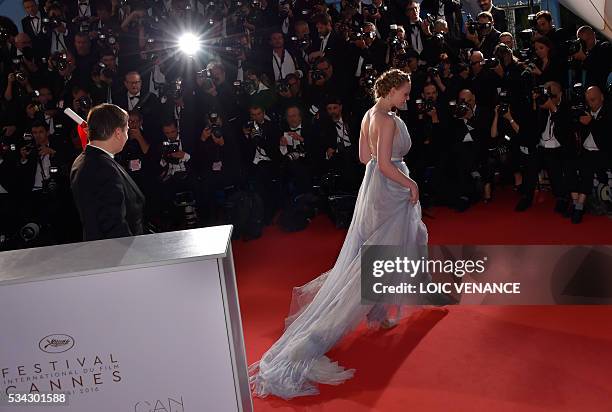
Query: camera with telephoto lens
[283,86]
[372,9]
[107,39]
[578,106]
[472,26]
[317,74]
[543,94]
[504,102]
[574,46]
[490,63]
[49,185]
[84,105]
[395,42]
[369,76]
[100,69]
[59,60]
[303,43]
[255,132]
[83,22]
[28,142]
[425,106]
[530,66]
[205,76]
[296,150]
[5,143]
[459,109]
[48,24]
[215,127]
[4,35]
[238,88]
[171,90]
[169,147]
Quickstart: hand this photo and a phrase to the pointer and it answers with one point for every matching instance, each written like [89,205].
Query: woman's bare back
[371,122]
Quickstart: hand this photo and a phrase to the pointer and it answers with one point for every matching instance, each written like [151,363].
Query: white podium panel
[160,330]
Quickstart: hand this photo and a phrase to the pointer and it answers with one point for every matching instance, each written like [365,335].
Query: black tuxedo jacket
[500,22]
[41,42]
[600,129]
[110,204]
[334,49]
[148,105]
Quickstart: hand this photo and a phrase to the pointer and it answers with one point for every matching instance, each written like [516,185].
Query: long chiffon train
[325,309]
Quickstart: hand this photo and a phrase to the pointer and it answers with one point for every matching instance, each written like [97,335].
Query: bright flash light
[189,44]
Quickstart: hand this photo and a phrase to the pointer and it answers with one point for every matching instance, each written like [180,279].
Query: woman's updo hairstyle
[388,80]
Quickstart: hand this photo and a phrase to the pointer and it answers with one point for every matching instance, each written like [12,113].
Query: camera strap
[279,65]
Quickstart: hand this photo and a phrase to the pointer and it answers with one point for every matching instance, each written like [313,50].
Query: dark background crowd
[262,122]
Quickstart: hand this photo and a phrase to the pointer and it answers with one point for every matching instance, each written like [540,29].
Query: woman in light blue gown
[387,212]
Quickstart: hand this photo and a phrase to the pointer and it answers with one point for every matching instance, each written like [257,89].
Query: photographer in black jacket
[471,127]
[42,176]
[595,56]
[595,150]
[547,146]
[261,138]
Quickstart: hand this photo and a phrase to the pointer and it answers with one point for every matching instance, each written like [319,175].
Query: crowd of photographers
[265,115]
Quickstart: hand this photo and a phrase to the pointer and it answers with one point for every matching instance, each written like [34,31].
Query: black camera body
[283,86]
[574,46]
[490,63]
[543,94]
[317,74]
[48,24]
[303,43]
[59,60]
[504,102]
[49,185]
[425,106]
[578,106]
[459,109]
[169,147]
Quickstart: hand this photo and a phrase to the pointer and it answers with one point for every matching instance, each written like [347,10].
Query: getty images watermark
[486,274]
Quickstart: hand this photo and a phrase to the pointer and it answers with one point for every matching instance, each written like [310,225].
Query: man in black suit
[548,144]
[133,98]
[110,204]
[417,31]
[595,151]
[485,38]
[32,25]
[328,44]
[448,10]
[499,16]
[471,127]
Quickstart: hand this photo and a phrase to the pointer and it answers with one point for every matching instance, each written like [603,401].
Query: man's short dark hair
[322,18]
[40,123]
[169,122]
[544,14]
[104,119]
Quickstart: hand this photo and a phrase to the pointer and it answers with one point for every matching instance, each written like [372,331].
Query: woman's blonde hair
[388,80]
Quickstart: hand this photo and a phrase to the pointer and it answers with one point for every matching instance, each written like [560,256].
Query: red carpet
[546,358]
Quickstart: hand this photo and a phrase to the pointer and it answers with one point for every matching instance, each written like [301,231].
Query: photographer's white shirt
[175,167]
[283,65]
[290,141]
[548,140]
[589,144]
